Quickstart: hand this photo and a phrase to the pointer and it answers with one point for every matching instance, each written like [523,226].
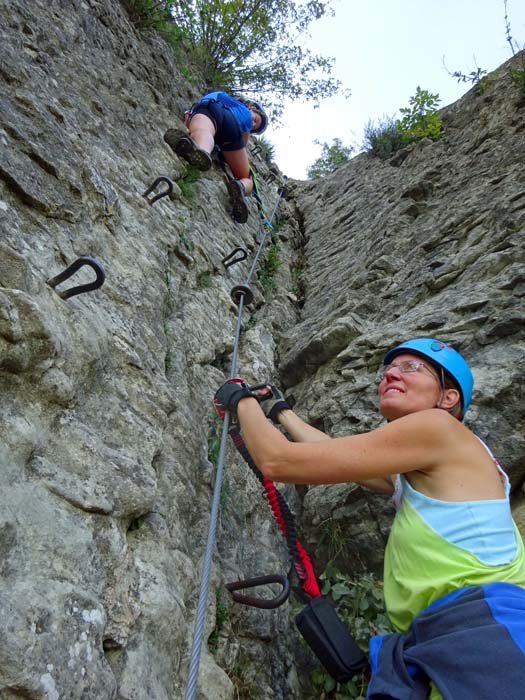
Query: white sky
[384,49]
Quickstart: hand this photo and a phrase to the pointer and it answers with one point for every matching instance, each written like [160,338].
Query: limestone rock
[109,436]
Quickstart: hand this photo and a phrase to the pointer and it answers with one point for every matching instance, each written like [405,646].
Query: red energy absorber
[307,576]
[300,559]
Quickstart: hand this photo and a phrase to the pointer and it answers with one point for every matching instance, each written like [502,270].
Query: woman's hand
[271,401]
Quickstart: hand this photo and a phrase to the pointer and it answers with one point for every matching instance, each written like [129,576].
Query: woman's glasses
[404,367]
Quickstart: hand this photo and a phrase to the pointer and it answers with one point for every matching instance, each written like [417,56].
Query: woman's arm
[300,431]
[412,443]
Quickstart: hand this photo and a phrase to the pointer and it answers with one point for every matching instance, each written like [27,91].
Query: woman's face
[256,119]
[401,393]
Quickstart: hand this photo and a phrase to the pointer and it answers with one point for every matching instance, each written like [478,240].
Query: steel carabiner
[165,193]
[69,271]
[265,603]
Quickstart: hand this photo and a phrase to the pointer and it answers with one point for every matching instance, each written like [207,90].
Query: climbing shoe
[180,142]
[238,201]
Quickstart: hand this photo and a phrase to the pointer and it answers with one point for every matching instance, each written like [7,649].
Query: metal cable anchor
[74,267]
[241,291]
[237,255]
[165,193]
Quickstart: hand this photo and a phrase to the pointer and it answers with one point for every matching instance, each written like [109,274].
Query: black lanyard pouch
[330,640]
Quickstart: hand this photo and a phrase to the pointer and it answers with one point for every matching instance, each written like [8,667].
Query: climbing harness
[70,271]
[318,622]
[236,255]
[163,193]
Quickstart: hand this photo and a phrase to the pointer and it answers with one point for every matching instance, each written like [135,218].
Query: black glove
[273,404]
[229,394]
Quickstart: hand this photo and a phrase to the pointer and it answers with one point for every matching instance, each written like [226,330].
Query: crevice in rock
[19,693]
[48,167]
[18,190]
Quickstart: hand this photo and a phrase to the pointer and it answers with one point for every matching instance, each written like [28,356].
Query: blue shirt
[239,110]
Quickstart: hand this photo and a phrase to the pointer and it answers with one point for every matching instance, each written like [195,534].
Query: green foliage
[167,310]
[136,524]
[268,267]
[483,85]
[473,77]
[188,180]
[360,605]
[421,119]
[265,148]
[251,46]
[185,241]
[214,439]
[517,75]
[298,282]
[243,675]
[332,156]
[204,279]
[221,615]
[384,139]
[333,538]
[152,14]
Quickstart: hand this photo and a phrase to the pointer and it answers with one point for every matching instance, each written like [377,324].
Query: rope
[200,617]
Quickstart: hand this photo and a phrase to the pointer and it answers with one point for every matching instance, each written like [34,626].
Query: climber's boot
[238,200]
[180,142]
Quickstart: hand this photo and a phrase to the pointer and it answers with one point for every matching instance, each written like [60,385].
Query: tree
[253,47]
[331,158]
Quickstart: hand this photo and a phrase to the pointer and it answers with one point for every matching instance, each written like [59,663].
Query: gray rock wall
[106,413]
[106,416]
[430,243]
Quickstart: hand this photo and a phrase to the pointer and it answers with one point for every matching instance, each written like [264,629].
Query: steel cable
[200,616]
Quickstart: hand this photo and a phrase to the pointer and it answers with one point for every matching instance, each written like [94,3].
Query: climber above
[454,569]
[225,121]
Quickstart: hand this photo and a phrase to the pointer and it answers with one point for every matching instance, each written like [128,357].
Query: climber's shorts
[228,133]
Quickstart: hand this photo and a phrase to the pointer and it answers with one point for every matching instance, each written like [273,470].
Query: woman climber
[454,568]
[218,118]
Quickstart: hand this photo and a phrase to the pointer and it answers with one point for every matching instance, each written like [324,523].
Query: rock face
[428,244]
[106,418]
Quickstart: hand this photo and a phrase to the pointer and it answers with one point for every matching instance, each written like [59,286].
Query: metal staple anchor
[237,255]
[258,602]
[152,187]
[74,267]
[241,291]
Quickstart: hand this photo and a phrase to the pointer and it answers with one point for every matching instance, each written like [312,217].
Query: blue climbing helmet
[253,104]
[442,355]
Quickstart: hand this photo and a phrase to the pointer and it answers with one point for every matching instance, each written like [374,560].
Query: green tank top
[422,564]
[436,547]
